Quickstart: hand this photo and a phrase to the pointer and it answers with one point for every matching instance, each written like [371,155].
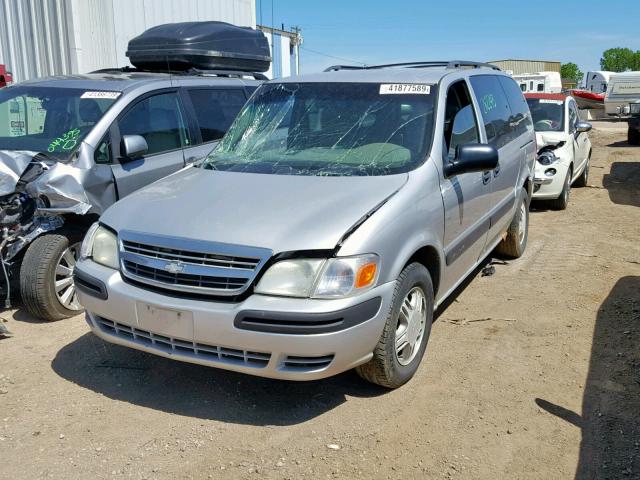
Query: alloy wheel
[64,286]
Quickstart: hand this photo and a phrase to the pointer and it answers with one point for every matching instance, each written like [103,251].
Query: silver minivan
[339,210]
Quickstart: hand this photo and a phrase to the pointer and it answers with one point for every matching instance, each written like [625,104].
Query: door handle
[486,177]
[496,170]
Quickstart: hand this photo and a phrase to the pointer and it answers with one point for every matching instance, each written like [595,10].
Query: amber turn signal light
[366,275]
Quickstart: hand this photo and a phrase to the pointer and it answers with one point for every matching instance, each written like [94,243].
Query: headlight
[547,158]
[101,245]
[319,278]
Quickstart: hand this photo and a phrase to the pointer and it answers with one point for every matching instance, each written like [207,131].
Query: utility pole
[296,29]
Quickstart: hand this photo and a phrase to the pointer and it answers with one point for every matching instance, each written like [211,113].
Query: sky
[384,31]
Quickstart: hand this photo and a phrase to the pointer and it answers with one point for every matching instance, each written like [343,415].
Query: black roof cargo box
[201,45]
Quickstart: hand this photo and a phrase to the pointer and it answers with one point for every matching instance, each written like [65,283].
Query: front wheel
[562,202]
[633,136]
[46,277]
[406,332]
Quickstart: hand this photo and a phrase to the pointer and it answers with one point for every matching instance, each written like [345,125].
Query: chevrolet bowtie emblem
[174,267]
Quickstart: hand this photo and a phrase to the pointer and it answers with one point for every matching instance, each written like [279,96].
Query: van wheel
[633,136]
[46,277]
[406,332]
[581,181]
[562,202]
[515,242]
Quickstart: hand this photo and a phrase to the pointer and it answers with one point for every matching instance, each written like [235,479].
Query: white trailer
[539,82]
[623,89]
[597,81]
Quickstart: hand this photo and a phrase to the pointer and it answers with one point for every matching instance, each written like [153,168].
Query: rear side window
[520,120]
[215,110]
[494,108]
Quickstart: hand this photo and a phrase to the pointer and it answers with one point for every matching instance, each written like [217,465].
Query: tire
[633,136]
[562,202]
[387,367]
[514,244]
[582,180]
[45,261]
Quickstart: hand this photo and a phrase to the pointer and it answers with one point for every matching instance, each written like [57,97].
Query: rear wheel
[406,332]
[46,277]
[562,201]
[514,244]
[633,136]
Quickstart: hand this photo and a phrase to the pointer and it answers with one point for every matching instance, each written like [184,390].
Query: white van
[624,88]
[539,82]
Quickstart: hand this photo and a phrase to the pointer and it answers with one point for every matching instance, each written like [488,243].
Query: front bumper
[547,187]
[207,333]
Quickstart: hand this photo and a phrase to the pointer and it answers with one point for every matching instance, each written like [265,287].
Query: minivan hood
[278,212]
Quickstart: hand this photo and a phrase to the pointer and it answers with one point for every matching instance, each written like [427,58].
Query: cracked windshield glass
[332,129]
[50,121]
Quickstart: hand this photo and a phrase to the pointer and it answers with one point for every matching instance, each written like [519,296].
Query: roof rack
[191,71]
[451,64]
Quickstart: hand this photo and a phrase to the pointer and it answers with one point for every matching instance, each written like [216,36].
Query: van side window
[160,120]
[494,108]
[460,124]
[215,110]
[520,120]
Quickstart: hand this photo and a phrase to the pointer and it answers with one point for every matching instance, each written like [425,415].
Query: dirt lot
[533,372]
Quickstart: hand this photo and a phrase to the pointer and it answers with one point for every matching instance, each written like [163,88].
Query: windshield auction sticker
[554,102]
[109,95]
[404,88]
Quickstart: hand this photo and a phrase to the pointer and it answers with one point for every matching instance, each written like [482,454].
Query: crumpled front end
[36,193]
[552,165]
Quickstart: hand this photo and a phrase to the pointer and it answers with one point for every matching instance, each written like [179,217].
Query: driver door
[465,196]
[159,118]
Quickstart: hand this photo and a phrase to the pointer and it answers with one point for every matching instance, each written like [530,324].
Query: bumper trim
[307,323]
[90,285]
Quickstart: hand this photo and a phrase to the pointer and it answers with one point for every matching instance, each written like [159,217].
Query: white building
[56,37]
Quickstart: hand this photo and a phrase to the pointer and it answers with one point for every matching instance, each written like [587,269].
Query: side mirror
[583,127]
[133,147]
[472,157]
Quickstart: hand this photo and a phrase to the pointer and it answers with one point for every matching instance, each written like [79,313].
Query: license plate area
[165,321]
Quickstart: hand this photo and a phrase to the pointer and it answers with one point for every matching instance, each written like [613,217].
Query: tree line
[617,59]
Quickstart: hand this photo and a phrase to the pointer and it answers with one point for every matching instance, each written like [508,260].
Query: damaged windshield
[52,121]
[548,115]
[329,129]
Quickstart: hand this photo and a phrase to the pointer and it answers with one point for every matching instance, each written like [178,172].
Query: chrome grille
[184,348]
[186,265]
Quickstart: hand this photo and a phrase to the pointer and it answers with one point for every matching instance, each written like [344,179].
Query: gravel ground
[532,372]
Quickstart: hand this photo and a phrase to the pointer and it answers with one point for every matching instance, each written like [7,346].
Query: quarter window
[494,107]
[215,110]
[160,120]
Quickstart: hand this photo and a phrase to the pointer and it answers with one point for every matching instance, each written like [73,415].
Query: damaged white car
[72,146]
[564,148]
